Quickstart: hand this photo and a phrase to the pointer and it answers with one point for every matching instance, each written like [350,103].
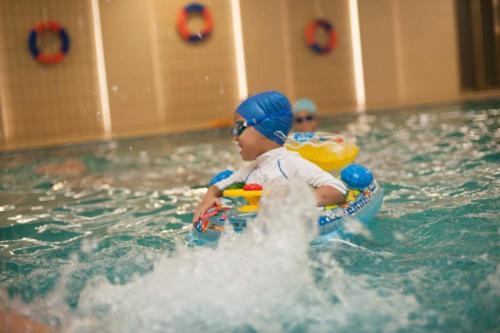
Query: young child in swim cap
[304,116]
[261,125]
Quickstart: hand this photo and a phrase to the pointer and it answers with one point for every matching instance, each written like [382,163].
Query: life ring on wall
[310,31]
[183,18]
[48,58]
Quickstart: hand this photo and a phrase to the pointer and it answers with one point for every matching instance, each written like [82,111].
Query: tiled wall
[131,66]
[277,56]
[158,83]
[429,50]
[267,47]
[380,53]
[328,78]
[199,81]
[410,51]
[44,104]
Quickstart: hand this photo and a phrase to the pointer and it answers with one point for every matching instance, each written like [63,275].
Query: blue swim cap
[304,104]
[269,113]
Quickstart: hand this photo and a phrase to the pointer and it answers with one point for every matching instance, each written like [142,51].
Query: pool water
[104,250]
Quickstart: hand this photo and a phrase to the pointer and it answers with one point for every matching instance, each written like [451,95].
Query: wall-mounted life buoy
[183,18]
[48,58]
[310,31]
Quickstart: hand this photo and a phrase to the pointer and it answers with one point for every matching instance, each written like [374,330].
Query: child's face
[304,121]
[251,142]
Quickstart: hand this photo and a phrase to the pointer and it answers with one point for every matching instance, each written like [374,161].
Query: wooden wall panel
[159,83]
[380,52]
[429,50]
[43,104]
[265,36]
[326,79]
[128,32]
[409,51]
[199,81]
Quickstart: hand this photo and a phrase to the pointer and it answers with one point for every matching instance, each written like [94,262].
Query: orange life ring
[310,31]
[183,18]
[48,58]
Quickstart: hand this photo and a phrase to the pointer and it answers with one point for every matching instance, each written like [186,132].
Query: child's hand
[204,205]
[209,199]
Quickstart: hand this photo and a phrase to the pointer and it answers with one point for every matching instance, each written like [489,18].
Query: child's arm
[209,199]
[327,189]
[328,195]
[214,192]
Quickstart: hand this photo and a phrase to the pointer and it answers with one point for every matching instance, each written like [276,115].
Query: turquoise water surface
[104,250]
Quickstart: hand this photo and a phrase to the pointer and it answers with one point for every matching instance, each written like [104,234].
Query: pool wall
[128,72]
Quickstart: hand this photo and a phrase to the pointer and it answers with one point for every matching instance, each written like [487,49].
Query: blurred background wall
[409,51]
[129,73]
[47,104]
[156,81]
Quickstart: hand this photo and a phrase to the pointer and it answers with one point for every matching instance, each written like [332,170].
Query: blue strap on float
[220,176]
[356,176]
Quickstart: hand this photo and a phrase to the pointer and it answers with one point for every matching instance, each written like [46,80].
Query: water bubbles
[47,198]
[355,227]
[6,208]
[120,210]
[180,170]
[114,88]
[399,236]
[144,156]
[112,145]
[424,119]
[23,218]
[89,245]
[15,217]
[57,187]
[493,280]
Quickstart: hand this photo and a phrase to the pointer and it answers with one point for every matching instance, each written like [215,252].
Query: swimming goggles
[308,118]
[239,127]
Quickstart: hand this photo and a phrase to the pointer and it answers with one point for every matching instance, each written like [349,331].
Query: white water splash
[262,280]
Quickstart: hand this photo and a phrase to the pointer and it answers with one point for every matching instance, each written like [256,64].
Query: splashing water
[261,280]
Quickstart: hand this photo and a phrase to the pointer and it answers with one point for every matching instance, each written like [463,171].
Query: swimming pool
[105,249]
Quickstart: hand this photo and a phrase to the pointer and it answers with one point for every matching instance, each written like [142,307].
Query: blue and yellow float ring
[183,18]
[310,31]
[48,58]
